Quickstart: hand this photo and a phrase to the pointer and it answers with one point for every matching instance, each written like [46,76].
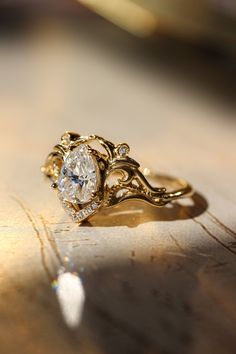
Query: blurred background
[96,59]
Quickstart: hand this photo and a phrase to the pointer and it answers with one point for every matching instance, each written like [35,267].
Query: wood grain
[156,280]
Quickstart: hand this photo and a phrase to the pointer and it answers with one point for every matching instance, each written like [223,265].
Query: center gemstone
[79,177]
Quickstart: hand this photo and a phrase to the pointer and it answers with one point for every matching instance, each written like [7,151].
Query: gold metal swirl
[121,176]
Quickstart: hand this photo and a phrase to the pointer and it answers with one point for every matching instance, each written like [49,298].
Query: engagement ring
[91,173]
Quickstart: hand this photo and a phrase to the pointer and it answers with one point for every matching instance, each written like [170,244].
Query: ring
[91,173]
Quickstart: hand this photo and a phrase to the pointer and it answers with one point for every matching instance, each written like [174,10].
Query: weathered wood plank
[156,280]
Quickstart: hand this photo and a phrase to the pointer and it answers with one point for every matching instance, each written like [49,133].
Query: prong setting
[88,180]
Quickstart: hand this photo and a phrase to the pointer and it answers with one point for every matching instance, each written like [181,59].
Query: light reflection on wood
[156,280]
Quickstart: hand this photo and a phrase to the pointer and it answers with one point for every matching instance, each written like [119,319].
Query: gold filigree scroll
[121,176]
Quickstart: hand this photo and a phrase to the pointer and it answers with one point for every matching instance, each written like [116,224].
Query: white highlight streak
[71,297]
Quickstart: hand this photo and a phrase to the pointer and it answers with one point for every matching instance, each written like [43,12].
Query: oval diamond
[79,177]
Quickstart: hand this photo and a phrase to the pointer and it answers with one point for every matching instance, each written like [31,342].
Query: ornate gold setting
[120,177]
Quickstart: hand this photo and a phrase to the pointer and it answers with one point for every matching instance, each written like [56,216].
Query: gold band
[112,177]
[179,188]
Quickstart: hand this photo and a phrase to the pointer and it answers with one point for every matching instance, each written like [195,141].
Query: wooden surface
[155,280]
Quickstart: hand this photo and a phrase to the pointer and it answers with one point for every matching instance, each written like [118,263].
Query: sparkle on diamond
[78,179]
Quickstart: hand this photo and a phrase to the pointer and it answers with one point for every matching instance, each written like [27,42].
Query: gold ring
[91,173]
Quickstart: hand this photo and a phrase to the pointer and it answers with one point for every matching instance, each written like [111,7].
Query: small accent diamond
[123,150]
[89,210]
[94,205]
[85,212]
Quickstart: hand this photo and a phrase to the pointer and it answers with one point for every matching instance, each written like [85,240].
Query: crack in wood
[210,233]
[183,253]
[213,236]
[52,241]
[177,244]
[227,229]
[218,222]
[30,218]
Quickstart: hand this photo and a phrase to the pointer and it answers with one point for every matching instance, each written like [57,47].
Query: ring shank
[175,187]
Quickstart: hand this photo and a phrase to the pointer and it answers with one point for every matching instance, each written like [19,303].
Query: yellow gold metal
[121,178]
